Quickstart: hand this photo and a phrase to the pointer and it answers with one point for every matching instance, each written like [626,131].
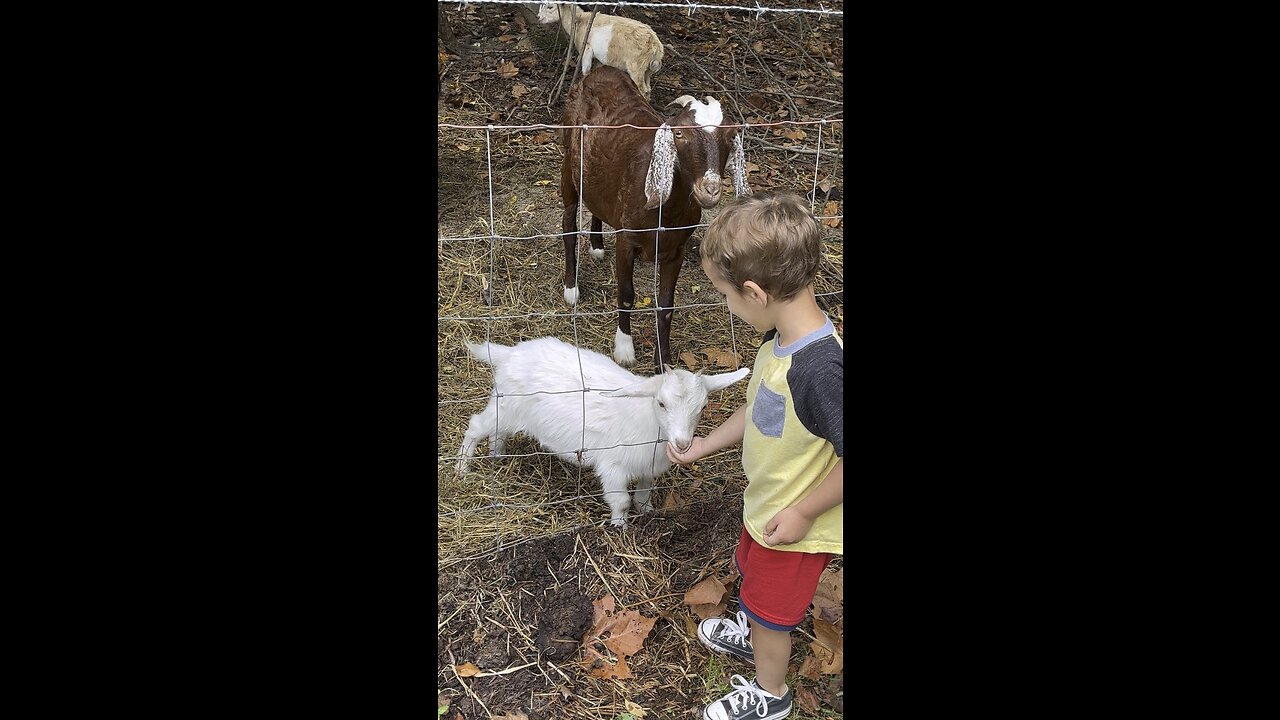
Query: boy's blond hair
[770,238]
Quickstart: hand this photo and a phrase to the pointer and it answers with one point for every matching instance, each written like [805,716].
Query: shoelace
[745,693]
[735,631]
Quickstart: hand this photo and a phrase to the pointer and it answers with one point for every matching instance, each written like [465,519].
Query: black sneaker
[728,636]
[749,701]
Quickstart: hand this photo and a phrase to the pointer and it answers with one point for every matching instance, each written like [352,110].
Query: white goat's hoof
[597,254]
[645,508]
[571,295]
[618,522]
[461,468]
[624,350]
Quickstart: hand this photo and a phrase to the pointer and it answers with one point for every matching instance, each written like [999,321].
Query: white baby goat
[629,45]
[538,390]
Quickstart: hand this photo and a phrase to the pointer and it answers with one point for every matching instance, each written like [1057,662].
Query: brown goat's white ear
[739,163]
[657,184]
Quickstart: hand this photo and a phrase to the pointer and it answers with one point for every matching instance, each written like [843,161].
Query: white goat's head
[548,13]
[702,152]
[679,397]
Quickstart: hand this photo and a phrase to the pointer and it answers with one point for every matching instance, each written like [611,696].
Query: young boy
[762,254]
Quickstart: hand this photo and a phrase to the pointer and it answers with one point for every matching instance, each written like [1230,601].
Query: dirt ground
[525,544]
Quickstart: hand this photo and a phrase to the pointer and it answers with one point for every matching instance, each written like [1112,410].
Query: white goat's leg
[586,57]
[616,495]
[483,424]
[643,487]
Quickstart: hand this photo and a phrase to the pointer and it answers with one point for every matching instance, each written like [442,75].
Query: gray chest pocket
[768,412]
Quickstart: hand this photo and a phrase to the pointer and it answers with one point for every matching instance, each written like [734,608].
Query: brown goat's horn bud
[682,101]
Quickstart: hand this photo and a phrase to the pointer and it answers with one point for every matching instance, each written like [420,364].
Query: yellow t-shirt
[794,434]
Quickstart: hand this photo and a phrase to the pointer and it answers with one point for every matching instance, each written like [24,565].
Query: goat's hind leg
[569,228]
[597,238]
[483,424]
[643,487]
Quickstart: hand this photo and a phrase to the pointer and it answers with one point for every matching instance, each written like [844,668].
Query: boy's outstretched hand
[696,451]
[787,527]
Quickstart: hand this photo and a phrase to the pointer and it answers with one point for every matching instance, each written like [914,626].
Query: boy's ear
[754,292]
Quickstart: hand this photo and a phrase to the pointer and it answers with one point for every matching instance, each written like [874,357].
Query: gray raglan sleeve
[816,378]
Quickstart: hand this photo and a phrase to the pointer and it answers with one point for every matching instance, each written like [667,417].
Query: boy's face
[745,304]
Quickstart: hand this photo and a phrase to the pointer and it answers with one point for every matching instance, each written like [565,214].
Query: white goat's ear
[681,101]
[667,368]
[647,388]
[657,184]
[724,380]
[739,163]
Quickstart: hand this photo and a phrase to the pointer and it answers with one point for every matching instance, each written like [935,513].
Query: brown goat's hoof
[624,350]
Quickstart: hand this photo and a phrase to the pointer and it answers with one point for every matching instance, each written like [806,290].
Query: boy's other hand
[787,527]
[696,451]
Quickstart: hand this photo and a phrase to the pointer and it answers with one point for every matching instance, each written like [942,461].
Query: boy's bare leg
[773,650]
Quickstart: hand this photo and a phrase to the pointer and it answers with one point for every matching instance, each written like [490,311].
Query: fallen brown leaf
[690,626]
[466,670]
[723,357]
[811,667]
[599,666]
[729,577]
[828,598]
[832,208]
[829,647]
[807,700]
[543,137]
[506,38]
[519,90]
[626,632]
[689,359]
[709,610]
[507,70]
[710,590]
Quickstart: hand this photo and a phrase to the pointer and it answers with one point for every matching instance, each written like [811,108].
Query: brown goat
[629,176]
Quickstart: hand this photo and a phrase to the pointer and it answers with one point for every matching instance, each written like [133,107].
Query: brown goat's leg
[669,271]
[597,238]
[570,229]
[624,349]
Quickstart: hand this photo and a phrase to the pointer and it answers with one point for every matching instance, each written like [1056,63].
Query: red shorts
[777,586]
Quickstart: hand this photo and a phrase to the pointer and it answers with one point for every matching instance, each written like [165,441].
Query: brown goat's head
[700,152]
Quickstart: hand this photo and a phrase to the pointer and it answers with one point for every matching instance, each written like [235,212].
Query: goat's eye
[664,407]
[679,134]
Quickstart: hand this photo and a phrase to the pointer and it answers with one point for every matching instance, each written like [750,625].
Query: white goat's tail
[490,353]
